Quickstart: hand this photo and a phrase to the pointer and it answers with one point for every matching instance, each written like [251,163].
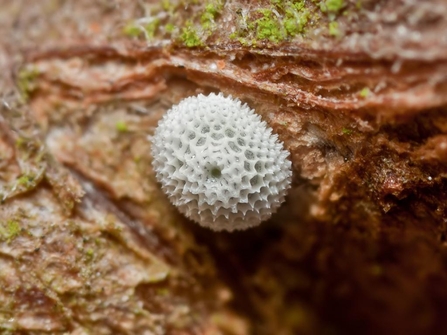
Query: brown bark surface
[358,93]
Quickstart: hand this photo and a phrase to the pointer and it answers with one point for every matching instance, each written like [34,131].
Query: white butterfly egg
[219,163]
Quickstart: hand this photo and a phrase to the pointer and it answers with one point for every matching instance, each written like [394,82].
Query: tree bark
[356,90]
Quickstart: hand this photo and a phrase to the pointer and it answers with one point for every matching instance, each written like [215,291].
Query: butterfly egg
[219,164]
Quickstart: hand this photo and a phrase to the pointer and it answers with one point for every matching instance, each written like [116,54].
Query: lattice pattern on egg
[219,163]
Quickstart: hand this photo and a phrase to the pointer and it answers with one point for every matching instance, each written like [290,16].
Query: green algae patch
[269,27]
[169,28]
[131,30]
[296,18]
[334,29]
[196,24]
[89,254]
[121,127]
[26,181]
[167,5]
[365,92]
[9,230]
[211,11]
[188,23]
[284,20]
[151,28]
[26,81]
[279,22]
[346,131]
[190,37]
[331,5]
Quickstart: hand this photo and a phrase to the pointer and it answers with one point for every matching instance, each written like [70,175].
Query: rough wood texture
[357,90]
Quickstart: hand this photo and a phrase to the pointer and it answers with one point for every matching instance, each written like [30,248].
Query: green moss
[246,42]
[207,20]
[346,131]
[121,127]
[276,2]
[134,30]
[20,142]
[331,5]
[166,5]
[131,30]
[276,23]
[151,28]
[269,27]
[9,230]
[89,254]
[333,29]
[169,28]
[208,16]
[364,92]
[214,7]
[298,5]
[26,180]
[189,36]
[296,18]
[26,81]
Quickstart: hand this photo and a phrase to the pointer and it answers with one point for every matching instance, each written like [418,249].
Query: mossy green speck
[364,92]
[131,30]
[333,29]
[25,180]
[331,5]
[121,127]
[189,36]
[151,28]
[209,14]
[169,28]
[214,7]
[296,18]
[9,230]
[346,131]
[25,82]
[273,21]
[89,254]
[269,27]
[166,5]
